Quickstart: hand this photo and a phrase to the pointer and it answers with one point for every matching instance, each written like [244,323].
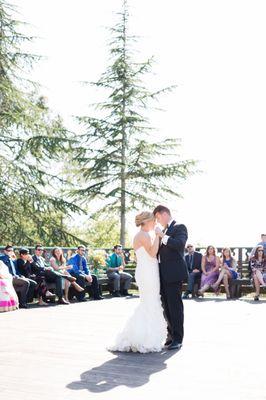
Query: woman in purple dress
[227,272]
[210,270]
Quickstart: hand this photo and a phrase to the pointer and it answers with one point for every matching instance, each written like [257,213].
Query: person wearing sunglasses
[24,287]
[50,275]
[82,274]
[258,270]
[261,243]
[193,260]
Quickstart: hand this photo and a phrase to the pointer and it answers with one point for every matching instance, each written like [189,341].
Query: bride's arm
[150,246]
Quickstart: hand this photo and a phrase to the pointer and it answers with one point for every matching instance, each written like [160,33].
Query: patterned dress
[8,296]
[258,265]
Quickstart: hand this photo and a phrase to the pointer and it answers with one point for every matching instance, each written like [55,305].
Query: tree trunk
[123,210]
[123,148]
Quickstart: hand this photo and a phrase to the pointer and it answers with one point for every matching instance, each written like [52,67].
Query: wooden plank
[59,352]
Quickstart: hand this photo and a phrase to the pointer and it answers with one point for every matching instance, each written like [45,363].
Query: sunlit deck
[58,353]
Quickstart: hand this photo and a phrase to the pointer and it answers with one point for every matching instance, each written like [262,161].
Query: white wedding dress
[145,330]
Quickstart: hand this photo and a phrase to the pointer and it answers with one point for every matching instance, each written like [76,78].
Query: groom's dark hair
[160,209]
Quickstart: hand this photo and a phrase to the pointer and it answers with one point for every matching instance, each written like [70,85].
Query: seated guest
[261,243]
[115,265]
[193,261]
[49,274]
[210,269]
[58,263]
[8,296]
[28,268]
[258,268]
[227,272]
[24,287]
[82,274]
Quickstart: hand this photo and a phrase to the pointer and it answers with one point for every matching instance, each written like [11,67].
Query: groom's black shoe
[168,341]
[98,298]
[116,293]
[186,295]
[125,293]
[175,345]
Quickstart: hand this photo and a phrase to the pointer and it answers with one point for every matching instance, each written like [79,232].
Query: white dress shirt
[166,237]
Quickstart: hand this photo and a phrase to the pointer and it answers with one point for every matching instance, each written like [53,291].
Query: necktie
[80,263]
[12,266]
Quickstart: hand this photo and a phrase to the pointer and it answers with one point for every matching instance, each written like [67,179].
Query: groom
[173,271]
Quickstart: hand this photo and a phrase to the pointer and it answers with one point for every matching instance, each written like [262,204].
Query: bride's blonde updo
[144,217]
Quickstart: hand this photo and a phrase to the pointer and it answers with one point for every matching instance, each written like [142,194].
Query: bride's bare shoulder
[139,239]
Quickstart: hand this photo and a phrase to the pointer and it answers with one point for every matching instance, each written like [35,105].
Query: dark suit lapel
[169,230]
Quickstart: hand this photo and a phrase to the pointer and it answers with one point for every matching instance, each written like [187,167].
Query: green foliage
[97,262]
[31,140]
[117,159]
[101,232]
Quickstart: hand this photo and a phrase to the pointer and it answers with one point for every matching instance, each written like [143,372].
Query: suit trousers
[120,280]
[81,281]
[94,290]
[193,277]
[24,287]
[54,277]
[171,295]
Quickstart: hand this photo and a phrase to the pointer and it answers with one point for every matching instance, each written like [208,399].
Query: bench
[237,287]
[103,284]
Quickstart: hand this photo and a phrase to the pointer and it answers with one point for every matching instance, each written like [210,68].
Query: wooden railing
[241,254]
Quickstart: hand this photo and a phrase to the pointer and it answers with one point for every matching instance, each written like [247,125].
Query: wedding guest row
[26,277]
[210,271]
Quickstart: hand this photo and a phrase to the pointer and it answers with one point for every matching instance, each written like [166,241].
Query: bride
[145,331]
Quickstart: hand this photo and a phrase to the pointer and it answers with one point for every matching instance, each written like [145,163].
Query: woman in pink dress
[210,270]
[8,296]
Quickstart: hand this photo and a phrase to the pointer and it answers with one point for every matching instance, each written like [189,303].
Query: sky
[214,51]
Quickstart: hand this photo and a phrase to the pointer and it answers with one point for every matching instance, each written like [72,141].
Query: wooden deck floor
[58,353]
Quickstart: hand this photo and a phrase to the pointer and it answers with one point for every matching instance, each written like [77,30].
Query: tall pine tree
[30,139]
[118,161]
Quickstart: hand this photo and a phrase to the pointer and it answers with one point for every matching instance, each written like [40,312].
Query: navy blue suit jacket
[173,267]
[196,262]
[7,261]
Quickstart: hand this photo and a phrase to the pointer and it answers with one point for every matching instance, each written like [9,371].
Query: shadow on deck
[127,369]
